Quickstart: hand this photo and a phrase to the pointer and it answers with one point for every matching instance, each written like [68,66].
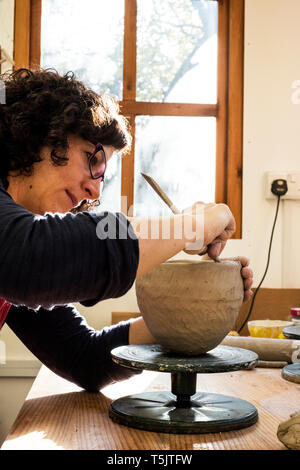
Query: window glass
[179,153]
[176,62]
[85,37]
[111,196]
[177,51]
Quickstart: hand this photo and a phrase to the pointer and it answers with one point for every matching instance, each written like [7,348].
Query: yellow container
[268,328]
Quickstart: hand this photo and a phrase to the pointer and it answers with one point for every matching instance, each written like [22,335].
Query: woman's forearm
[169,239]
[139,332]
[42,262]
[189,232]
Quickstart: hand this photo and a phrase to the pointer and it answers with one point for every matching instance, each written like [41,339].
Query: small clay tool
[161,193]
[165,198]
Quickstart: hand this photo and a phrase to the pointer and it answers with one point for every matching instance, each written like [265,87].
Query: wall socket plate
[293,183]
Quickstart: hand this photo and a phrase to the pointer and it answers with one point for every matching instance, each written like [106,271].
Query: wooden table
[59,415]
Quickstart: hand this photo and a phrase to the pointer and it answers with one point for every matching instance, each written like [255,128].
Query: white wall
[271,143]
[271,137]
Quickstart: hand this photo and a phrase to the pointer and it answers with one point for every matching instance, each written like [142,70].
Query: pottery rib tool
[165,198]
[161,193]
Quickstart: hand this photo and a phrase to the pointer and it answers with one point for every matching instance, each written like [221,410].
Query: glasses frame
[97,148]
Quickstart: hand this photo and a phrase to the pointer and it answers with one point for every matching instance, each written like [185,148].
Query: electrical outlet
[293,183]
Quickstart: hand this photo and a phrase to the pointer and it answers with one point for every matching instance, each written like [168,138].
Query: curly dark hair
[42,108]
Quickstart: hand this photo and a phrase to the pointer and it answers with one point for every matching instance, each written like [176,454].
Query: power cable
[266,270]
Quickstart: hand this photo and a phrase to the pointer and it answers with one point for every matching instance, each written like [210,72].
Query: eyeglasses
[97,163]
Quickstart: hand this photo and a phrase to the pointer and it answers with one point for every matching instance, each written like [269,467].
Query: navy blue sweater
[48,261]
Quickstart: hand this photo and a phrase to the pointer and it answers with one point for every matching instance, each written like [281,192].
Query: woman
[57,137]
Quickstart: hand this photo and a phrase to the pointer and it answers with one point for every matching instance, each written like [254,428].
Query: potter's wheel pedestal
[183,410]
[291,372]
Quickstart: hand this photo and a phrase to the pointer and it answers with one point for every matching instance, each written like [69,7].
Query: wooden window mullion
[27,33]
[35,33]
[222,100]
[129,95]
[127,183]
[129,62]
[22,34]
[229,152]
[235,112]
[150,108]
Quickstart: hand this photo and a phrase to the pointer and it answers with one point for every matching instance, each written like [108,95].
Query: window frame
[228,111]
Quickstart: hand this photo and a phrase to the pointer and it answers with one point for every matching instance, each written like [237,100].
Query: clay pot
[190,306]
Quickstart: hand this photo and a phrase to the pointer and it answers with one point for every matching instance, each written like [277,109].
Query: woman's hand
[247,275]
[214,247]
[219,226]
[139,332]
[205,230]
[246,272]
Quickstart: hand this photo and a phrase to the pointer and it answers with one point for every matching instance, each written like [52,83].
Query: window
[176,68]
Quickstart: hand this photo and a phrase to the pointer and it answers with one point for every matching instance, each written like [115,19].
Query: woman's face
[58,188]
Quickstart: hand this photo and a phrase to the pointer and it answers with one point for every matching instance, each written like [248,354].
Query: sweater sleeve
[62,340]
[57,259]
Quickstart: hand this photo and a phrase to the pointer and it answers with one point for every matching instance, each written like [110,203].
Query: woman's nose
[93,188]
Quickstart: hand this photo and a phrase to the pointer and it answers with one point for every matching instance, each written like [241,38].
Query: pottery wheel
[292,332]
[291,372]
[183,410]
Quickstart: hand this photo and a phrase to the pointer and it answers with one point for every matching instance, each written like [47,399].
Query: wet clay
[190,306]
[289,432]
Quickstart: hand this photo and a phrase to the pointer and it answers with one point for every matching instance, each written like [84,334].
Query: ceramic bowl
[190,306]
